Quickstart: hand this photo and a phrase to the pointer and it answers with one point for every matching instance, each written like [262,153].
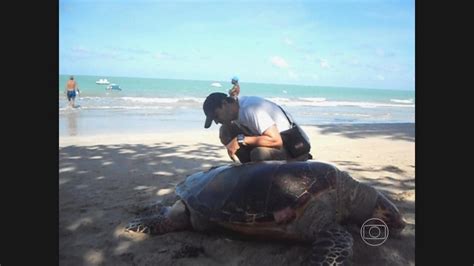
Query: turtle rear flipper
[154,225]
[332,247]
[161,221]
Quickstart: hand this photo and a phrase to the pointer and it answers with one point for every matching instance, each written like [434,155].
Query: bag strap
[292,124]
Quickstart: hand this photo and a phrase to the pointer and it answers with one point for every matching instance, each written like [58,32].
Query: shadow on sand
[101,188]
[402,131]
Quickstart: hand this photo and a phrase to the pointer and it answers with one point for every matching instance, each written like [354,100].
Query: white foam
[343,103]
[150,100]
[323,102]
[127,107]
[160,103]
[279,99]
[401,101]
[162,100]
[313,99]
[298,100]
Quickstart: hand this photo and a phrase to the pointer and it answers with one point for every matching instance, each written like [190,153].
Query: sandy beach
[105,180]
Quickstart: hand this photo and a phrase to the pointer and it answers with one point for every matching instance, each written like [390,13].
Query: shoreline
[394,130]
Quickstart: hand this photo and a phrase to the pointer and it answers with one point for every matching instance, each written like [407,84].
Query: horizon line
[250,82]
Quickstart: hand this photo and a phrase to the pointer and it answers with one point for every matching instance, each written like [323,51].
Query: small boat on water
[216,84]
[114,87]
[102,82]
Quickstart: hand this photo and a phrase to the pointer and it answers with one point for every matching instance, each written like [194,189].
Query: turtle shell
[252,192]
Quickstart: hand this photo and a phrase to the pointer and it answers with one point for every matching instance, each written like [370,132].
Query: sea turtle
[306,201]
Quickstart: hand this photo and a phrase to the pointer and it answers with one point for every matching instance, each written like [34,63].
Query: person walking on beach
[250,128]
[235,90]
[71,87]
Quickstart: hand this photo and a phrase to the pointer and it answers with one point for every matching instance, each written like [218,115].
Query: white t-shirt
[258,114]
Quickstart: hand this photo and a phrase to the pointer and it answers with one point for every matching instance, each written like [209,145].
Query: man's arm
[231,91]
[235,90]
[269,138]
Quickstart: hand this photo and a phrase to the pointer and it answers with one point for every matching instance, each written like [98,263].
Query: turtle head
[361,202]
[386,211]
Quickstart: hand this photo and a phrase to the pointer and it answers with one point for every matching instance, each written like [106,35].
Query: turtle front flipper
[332,246]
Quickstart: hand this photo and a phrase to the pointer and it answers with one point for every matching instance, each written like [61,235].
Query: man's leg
[259,154]
[69,98]
[303,157]
[268,154]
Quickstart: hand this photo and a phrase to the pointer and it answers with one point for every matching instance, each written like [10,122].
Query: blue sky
[369,44]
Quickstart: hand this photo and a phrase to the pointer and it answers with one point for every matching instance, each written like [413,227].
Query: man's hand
[232,148]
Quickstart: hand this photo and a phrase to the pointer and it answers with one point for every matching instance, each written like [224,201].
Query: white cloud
[83,52]
[159,55]
[138,51]
[380,77]
[311,57]
[288,41]
[80,49]
[354,61]
[163,55]
[379,52]
[400,15]
[278,62]
[384,67]
[323,63]
[382,53]
[293,75]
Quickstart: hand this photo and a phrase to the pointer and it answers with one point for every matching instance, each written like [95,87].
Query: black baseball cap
[212,102]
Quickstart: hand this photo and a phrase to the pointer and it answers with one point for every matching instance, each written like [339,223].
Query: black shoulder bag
[294,139]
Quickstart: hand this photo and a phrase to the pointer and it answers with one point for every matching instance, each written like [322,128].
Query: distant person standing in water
[235,90]
[71,87]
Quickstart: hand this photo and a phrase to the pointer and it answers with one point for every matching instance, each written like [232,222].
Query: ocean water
[150,105]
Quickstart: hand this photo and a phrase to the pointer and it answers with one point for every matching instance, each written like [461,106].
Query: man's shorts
[71,95]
